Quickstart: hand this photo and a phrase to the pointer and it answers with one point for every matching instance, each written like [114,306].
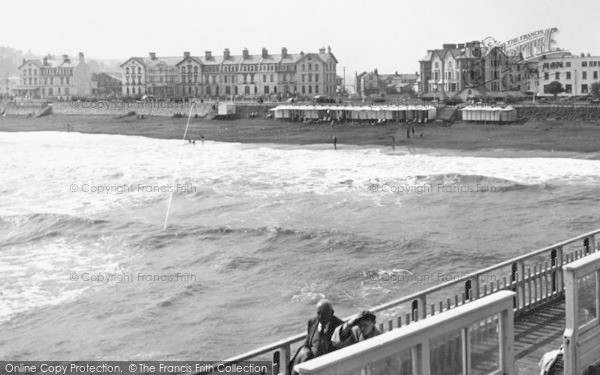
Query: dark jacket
[321,344]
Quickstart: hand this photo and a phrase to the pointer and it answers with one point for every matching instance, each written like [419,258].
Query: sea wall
[569,113]
[121,108]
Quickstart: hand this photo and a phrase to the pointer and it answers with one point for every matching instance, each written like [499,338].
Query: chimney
[302,53]
[226,53]
[65,57]
[186,54]
[449,46]
[152,55]
[322,50]
[81,57]
[461,46]
[245,53]
[283,52]
[265,53]
[328,49]
[208,55]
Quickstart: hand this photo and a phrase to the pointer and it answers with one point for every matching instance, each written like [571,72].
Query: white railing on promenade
[478,336]
[581,340]
[535,277]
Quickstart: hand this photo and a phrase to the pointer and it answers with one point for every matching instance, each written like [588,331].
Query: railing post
[593,243]
[475,287]
[559,272]
[521,284]
[586,246]
[419,308]
[281,360]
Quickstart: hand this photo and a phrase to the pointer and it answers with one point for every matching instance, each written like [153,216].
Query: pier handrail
[581,339]
[523,301]
[419,335]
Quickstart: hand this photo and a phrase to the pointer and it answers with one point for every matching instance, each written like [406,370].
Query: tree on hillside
[554,88]
[595,89]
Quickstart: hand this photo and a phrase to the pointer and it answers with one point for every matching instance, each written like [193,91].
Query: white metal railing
[477,336]
[535,277]
[581,340]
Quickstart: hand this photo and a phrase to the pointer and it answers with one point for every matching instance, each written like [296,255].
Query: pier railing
[581,340]
[535,277]
[474,338]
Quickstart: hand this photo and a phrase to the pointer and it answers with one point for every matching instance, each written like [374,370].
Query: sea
[130,248]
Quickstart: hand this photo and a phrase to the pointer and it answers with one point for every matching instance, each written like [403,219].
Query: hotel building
[53,78]
[467,70]
[575,73]
[305,74]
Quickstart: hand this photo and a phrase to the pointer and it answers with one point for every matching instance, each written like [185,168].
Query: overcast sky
[389,35]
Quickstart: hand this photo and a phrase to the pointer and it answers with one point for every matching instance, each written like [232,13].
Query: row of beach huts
[389,113]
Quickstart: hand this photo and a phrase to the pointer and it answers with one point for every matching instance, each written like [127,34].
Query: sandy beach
[549,136]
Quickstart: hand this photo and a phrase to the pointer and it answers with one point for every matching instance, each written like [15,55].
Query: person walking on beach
[334,142]
[201,138]
[407,133]
[393,143]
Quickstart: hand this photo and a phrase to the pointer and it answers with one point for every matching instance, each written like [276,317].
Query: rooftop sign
[533,44]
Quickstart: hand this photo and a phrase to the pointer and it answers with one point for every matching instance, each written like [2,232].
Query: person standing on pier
[319,332]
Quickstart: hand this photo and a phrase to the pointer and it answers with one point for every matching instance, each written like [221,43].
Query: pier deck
[538,332]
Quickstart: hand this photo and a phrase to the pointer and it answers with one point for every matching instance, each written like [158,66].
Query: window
[309,89]
[139,71]
[266,89]
[584,89]
[584,64]
[568,64]
[303,69]
[568,75]
[316,89]
[271,78]
[596,75]
[568,89]
[224,79]
[546,76]
[126,70]
[316,78]
[264,78]
[309,77]
[583,75]
[437,65]
[303,89]
[557,76]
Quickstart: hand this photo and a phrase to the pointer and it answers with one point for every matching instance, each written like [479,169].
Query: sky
[388,35]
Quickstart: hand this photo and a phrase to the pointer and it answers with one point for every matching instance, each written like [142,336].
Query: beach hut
[226,108]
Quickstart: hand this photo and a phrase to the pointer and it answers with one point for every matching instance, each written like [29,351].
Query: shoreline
[553,137]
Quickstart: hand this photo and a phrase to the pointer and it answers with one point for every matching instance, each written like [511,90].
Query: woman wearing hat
[359,328]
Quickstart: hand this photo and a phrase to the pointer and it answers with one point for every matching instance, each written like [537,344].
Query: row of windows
[34,81]
[584,75]
[586,63]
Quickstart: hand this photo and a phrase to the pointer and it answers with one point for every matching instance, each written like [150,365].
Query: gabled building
[373,83]
[229,75]
[55,78]
[468,70]
[106,85]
